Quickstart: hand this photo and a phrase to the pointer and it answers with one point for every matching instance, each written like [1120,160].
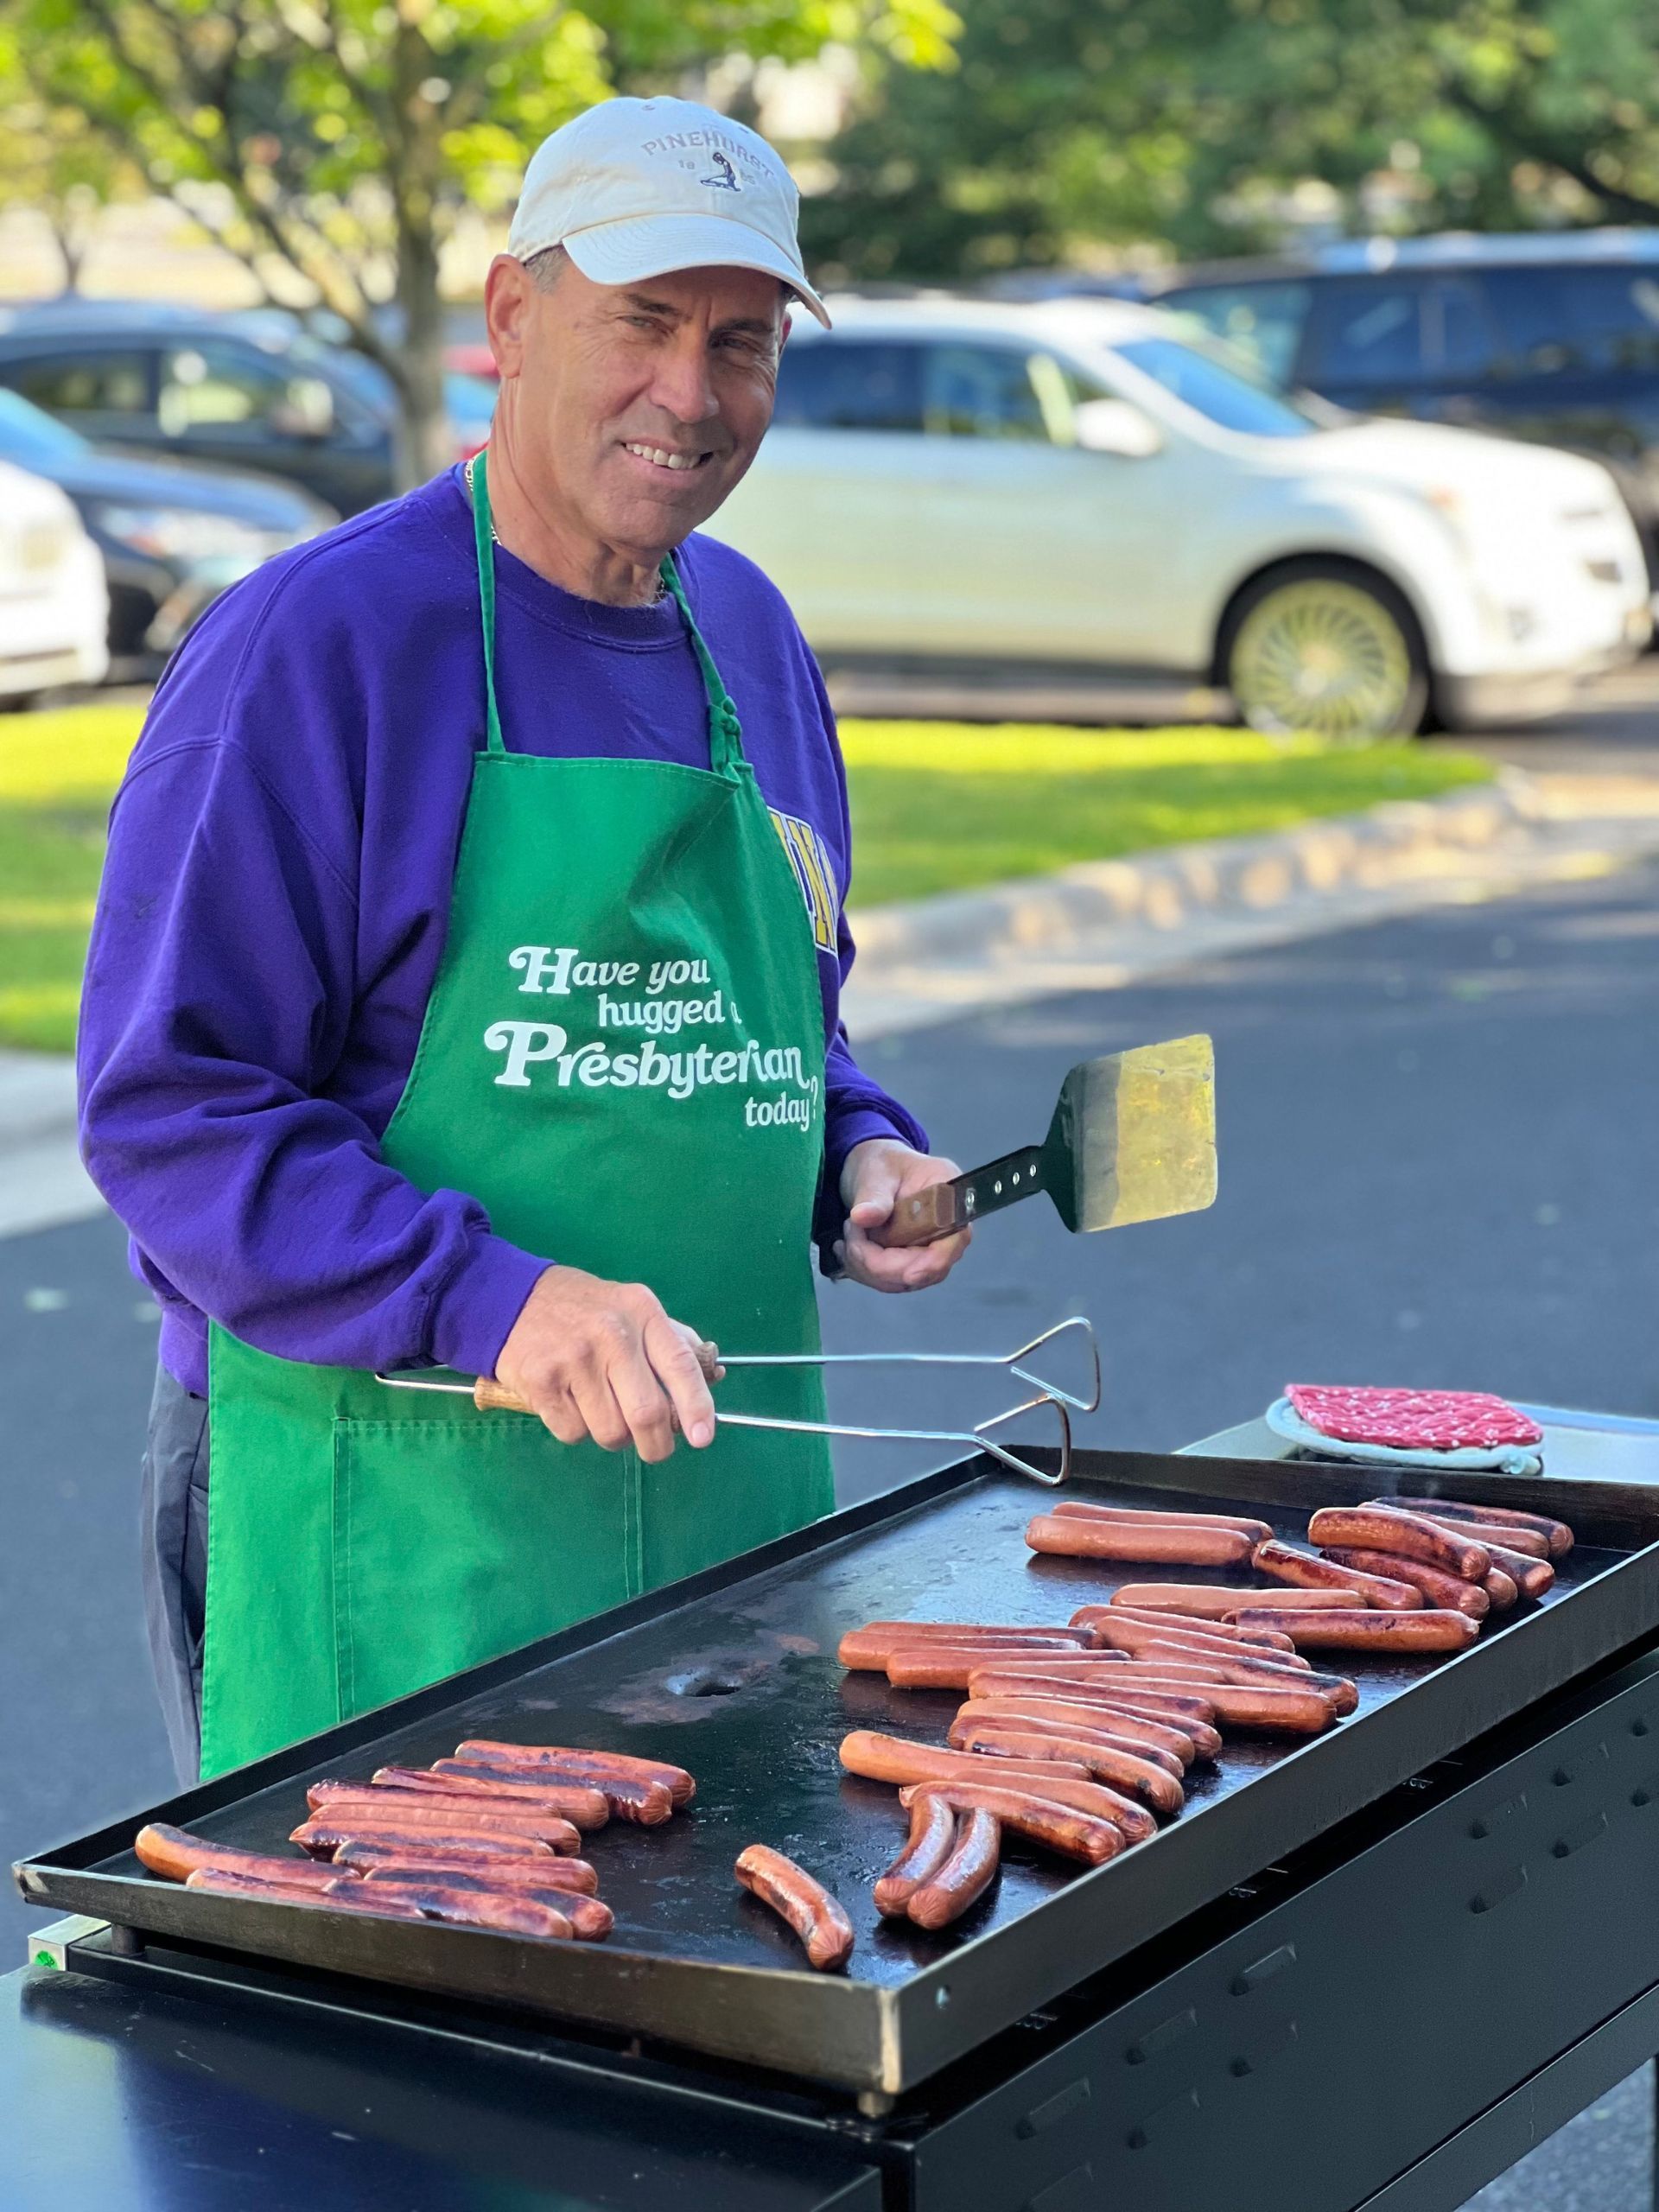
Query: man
[464,992]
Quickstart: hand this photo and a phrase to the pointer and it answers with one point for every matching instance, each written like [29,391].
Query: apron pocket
[454,1542]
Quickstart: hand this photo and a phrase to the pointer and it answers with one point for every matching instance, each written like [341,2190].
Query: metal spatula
[1133,1139]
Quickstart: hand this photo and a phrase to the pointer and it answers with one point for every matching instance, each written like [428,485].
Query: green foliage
[1071,125]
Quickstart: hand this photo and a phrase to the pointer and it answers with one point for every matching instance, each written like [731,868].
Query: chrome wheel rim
[1323,656]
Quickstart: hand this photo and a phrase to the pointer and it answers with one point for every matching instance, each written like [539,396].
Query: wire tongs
[491,1397]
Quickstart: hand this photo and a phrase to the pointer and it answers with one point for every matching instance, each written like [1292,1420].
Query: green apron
[622,1059]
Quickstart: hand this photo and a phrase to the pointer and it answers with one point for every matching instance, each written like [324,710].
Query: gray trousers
[175,1556]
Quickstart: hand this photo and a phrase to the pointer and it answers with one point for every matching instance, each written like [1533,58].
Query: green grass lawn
[940,806]
[937,807]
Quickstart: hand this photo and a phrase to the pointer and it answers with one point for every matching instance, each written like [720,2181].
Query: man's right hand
[603,1360]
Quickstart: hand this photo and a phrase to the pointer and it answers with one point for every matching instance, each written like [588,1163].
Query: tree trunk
[425,440]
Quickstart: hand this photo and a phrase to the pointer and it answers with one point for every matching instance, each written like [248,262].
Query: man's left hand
[875,1176]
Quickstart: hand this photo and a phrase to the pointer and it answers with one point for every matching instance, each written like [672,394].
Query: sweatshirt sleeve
[220,984]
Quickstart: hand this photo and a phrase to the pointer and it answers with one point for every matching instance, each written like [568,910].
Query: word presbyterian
[529,1043]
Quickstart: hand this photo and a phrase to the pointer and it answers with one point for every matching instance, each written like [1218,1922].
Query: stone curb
[1056,913]
[1103,924]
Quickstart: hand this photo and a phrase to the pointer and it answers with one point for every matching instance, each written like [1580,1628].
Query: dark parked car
[1548,337]
[255,391]
[172,534]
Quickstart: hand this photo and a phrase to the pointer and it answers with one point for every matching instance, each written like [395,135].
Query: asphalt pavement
[1439,1154]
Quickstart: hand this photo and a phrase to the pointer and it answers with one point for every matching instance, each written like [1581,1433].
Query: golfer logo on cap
[728,181]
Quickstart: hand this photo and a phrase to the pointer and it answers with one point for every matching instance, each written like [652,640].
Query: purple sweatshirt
[276,896]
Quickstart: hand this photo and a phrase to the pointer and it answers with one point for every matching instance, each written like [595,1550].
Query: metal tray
[733,1674]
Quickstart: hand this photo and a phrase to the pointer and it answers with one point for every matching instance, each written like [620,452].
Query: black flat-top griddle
[733,1674]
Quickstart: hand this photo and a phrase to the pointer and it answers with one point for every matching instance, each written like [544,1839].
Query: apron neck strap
[725,731]
[483,539]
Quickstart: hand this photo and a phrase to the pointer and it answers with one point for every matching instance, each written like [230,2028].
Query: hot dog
[1194,1624]
[515,1915]
[176,1855]
[807,1906]
[1500,1590]
[431,1809]
[1166,1633]
[1210,1601]
[1444,1591]
[1296,1712]
[1555,1534]
[1087,1735]
[589,1920]
[1178,1706]
[1384,1632]
[345,1894]
[627,1796]
[1530,1572]
[583,1806]
[1338,1693]
[1177,1744]
[867,1649]
[1117,1770]
[1286,1564]
[965,1875]
[1167,1544]
[893,1758]
[595,1765]
[323,1835]
[576,1876]
[1041,1819]
[947,1666]
[1383,1529]
[1527,1541]
[1085,1509]
[932,1838]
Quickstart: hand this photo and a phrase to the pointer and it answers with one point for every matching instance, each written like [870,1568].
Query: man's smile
[663,457]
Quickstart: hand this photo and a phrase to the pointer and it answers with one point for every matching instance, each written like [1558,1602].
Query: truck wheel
[1311,647]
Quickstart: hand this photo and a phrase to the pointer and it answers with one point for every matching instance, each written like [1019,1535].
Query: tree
[1073,125]
[51,159]
[335,140]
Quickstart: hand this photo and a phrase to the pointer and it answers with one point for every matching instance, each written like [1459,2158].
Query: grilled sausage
[432,1809]
[1202,1667]
[947,1666]
[345,1894]
[513,1915]
[1041,1819]
[1384,1632]
[1527,1541]
[1084,1510]
[629,1797]
[1172,1544]
[324,1833]
[1177,1707]
[892,1758]
[1260,1705]
[1210,1601]
[1117,1770]
[1444,1591]
[965,1875]
[592,1765]
[808,1907]
[1089,1735]
[1384,1528]
[1195,1624]
[1531,1577]
[867,1650]
[176,1854]
[1167,1631]
[1286,1564]
[1500,1590]
[932,1838]
[588,1918]
[1555,1534]
[1179,1746]
[388,1861]
[575,1802]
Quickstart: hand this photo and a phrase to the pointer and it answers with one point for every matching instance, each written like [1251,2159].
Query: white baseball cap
[635,188]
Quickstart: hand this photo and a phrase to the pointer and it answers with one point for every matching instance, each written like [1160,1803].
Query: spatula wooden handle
[493,1397]
[927,1215]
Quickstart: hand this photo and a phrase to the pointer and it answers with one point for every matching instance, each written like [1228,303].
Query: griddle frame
[877,2039]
